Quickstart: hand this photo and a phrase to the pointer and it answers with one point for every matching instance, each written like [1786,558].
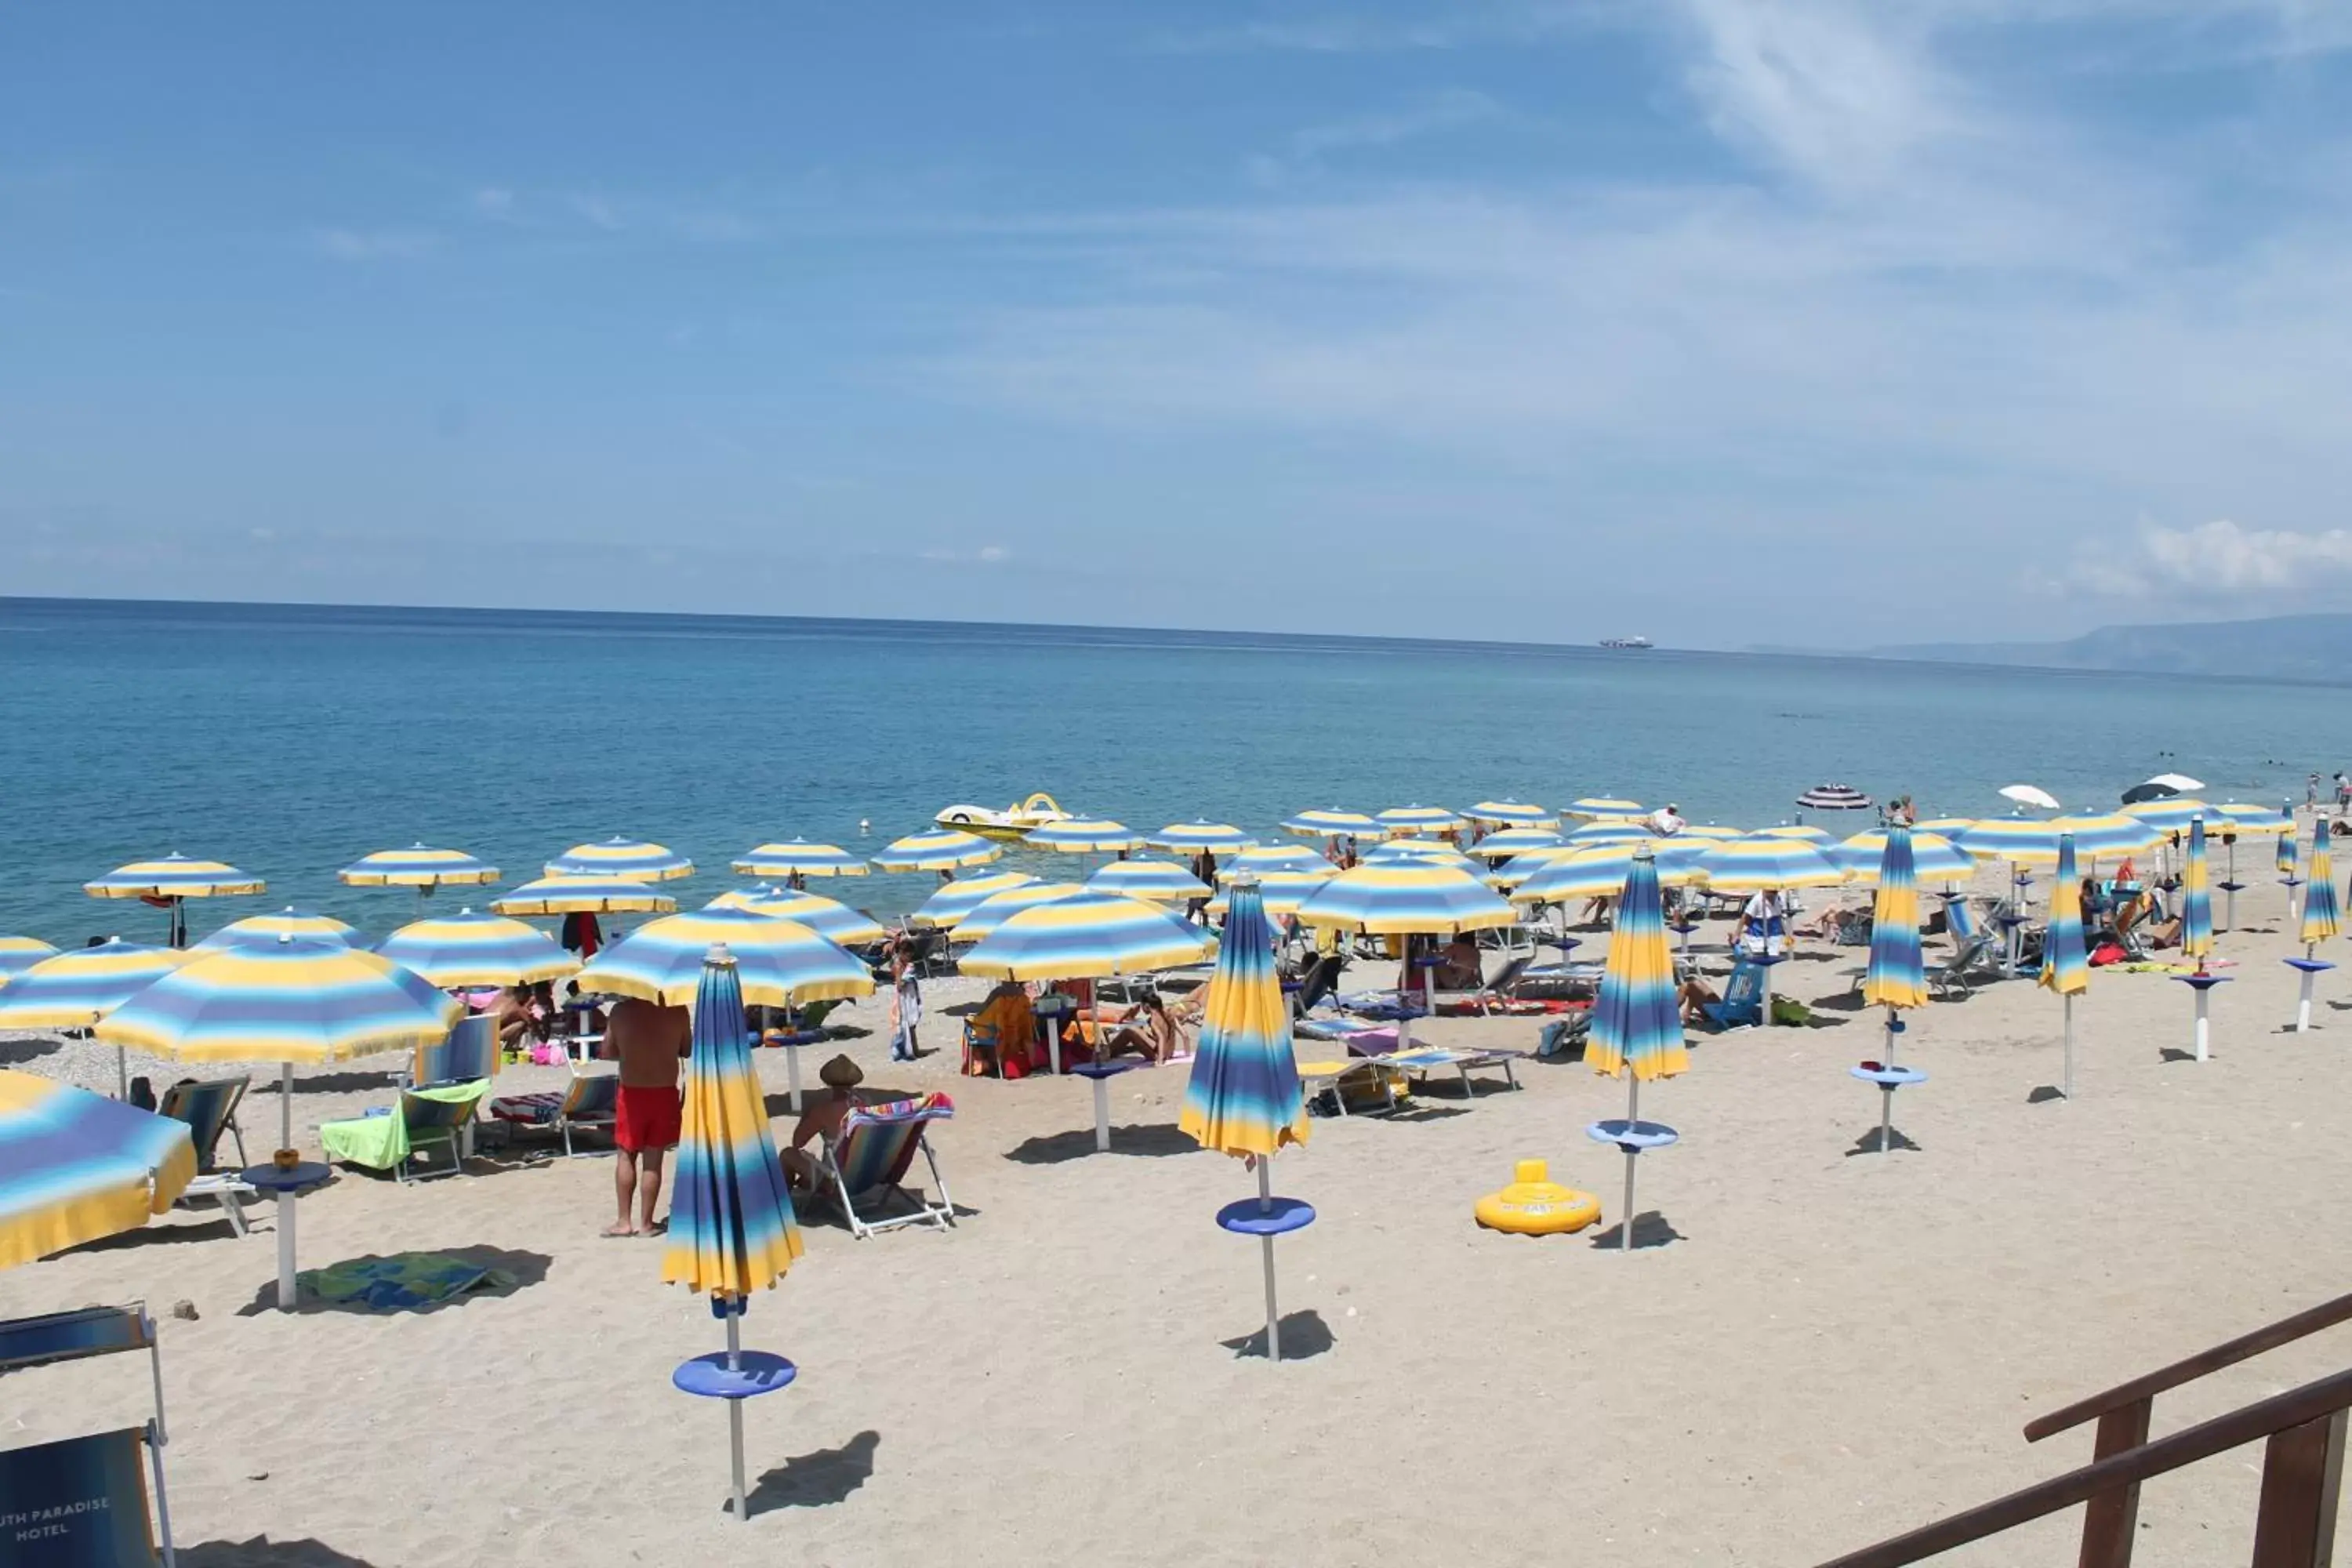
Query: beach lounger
[1743,998]
[1499,989]
[391,1139]
[1425,1059]
[1564,1037]
[209,1108]
[870,1159]
[591,1103]
[469,1052]
[1380,1086]
[1974,956]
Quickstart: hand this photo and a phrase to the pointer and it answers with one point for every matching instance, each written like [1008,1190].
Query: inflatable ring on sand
[1534,1205]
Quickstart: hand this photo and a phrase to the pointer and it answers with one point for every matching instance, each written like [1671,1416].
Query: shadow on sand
[263,1553]
[1304,1335]
[1897,1140]
[1151,1141]
[813,1479]
[1651,1229]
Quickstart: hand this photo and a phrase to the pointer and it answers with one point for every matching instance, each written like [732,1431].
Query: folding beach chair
[1498,990]
[86,1499]
[469,1052]
[1743,998]
[870,1159]
[1974,955]
[1422,1060]
[392,1139]
[209,1108]
[591,1103]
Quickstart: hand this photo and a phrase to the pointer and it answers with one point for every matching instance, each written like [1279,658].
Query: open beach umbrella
[18,953]
[419,868]
[465,950]
[1511,814]
[1191,837]
[1637,1022]
[778,963]
[1243,1098]
[1834,798]
[1602,807]
[1406,899]
[1400,820]
[1710,830]
[1421,852]
[997,907]
[618,857]
[1897,977]
[1601,870]
[76,1166]
[1765,865]
[1084,835]
[583,895]
[1609,830]
[829,918]
[1936,860]
[1796,832]
[1266,857]
[1279,892]
[1512,841]
[732,1227]
[1161,881]
[78,987]
[2027,794]
[2318,924]
[172,881]
[2066,968]
[2171,814]
[2161,785]
[2102,836]
[288,922]
[801,859]
[936,849]
[957,898]
[1087,936]
[2232,819]
[1333,823]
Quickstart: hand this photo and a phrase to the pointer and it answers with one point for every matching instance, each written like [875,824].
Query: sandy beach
[1817,1347]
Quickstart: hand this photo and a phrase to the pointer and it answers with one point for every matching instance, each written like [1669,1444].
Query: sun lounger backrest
[1959,920]
[425,1113]
[471,1051]
[1745,987]
[206,1107]
[593,1095]
[878,1141]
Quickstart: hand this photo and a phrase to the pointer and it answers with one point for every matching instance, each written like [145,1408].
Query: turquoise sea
[291,739]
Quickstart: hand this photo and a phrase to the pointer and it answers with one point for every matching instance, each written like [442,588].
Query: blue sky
[1723,320]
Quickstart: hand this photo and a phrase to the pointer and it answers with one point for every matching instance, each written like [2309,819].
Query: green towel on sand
[402,1282]
[381,1142]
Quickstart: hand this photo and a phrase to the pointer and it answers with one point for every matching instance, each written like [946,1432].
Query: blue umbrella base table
[1102,1073]
[286,1185]
[2200,1037]
[1635,1137]
[1888,1079]
[2309,969]
[734,1374]
[1266,1216]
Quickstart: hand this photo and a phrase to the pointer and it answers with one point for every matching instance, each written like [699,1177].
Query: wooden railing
[2302,1467]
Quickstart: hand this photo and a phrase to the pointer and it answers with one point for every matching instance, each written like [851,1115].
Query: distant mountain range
[2283,647]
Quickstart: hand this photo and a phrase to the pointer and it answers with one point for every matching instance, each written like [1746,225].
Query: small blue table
[1888,1079]
[2202,983]
[1102,1073]
[1635,1137]
[1266,1216]
[734,1374]
[2310,969]
[286,1185]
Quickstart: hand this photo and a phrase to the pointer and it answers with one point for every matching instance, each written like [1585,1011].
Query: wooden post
[2302,1470]
[2110,1519]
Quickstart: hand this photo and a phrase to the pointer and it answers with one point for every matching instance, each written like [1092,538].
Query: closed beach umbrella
[76,1166]
[829,918]
[1404,819]
[2318,924]
[289,922]
[2066,968]
[467,950]
[1895,977]
[936,849]
[1087,936]
[616,857]
[957,898]
[2196,901]
[1511,814]
[583,895]
[1266,858]
[1333,823]
[172,881]
[1191,837]
[1084,835]
[1798,832]
[1834,798]
[1243,1098]
[76,988]
[18,953]
[419,868]
[2283,859]
[778,963]
[1513,841]
[1637,1021]
[1936,860]
[997,907]
[1161,881]
[801,859]
[731,1228]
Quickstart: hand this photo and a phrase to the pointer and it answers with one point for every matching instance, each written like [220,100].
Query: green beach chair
[391,1139]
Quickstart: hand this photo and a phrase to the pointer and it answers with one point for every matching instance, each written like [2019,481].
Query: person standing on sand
[906,1001]
[650,1042]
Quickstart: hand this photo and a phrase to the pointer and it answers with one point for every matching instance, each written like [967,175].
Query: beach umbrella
[957,898]
[1609,830]
[1796,832]
[1084,835]
[2318,924]
[2284,858]
[1279,892]
[1637,1022]
[2066,968]
[1400,820]
[997,907]
[1521,866]
[2161,785]
[1421,852]
[1267,857]
[1934,859]
[732,1227]
[1601,871]
[1243,1098]
[2197,931]
[2172,814]
[2230,819]
[829,918]
[1159,881]
[18,953]
[617,857]
[76,1166]
[78,987]
[1085,936]
[1602,807]
[1709,830]
[2027,795]
[419,868]
[778,963]
[1193,837]
[1513,841]
[465,950]
[171,882]
[583,895]
[1511,814]
[1765,865]
[1406,899]
[2100,836]
[288,922]
[1333,823]
[936,849]
[1897,977]
[1834,798]
[799,860]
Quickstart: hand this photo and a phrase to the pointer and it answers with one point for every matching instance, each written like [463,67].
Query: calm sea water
[289,741]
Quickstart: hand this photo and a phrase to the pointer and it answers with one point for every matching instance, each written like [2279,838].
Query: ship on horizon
[1627,642]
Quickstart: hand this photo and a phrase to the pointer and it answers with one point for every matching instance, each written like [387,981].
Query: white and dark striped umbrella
[1834,798]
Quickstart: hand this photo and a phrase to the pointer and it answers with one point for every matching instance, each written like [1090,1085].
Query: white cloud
[985,556]
[495,202]
[1431,114]
[374,244]
[602,214]
[2218,561]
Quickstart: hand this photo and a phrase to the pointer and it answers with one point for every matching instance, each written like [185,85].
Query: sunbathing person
[1148,1029]
[822,1120]
[523,1018]
[1694,995]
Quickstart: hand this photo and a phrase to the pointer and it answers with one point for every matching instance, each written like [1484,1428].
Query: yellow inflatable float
[1534,1205]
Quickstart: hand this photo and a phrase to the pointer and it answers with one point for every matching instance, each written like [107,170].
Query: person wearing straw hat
[650,1041]
[822,1120]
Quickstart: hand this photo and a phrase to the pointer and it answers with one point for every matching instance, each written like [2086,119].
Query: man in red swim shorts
[650,1041]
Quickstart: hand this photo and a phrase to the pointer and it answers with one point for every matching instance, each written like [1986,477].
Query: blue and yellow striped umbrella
[1083,835]
[1400,820]
[1610,830]
[1513,841]
[2065,967]
[2284,858]
[287,1001]
[18,953]
[75,1166]
[829,918]
[1512,814]
[1754,864]
[1333,823]
[1601,870]
[2019,840]
[2103,836]
[957,898]
[2235,818]
[2196,902]
[1637,1019]
[1085,937]
[173,876]
[1242,1097]
[937,849]
[1602,808]
[464,950]
[78,987]
[1191,837]
[1159,881]
[778,963]
[997,907]
[616,857]
[1936,860]
[2173,814]
[418,867]
[257,929]
[1421,852]
[1406,901]
[1895,977]
[802,858]
[1279,892]
[2319,917]
[583,896]
[1269,857]
[731,1229]
[1802,832]
[1710,830]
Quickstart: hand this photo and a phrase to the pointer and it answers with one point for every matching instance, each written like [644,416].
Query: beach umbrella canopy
[1267,857]
[1800,832]
[731,1229]
[1601,871]
[1279,892]
[418,867]
[467,950]
[2196,901]
[1406,899]
[1191,837]
[2161,785]
[1601,807]
[2100,836]
[1936,860]
[18,953]
[2066,968]
[289,922]
[1637,1021]
[1949,826]
[829,918]
[1510,873]
[1399,820]
[1609,830]
[583,895]
[2236,817]
[778,963]
[76,1166]
[1084,835]
[1895,976]
[2020,841]
[1709,830]
[1421,852]
[1512,814]
[1753,865]
[2319,913]
[1243,1096]
[957,898]
[2027,795]
[1333,823]
[1513,841]
[1087,936]
[1834,798]
[173,876]
[802,858]
[2170,814]
[936,849]
[1159,881]
[287,1001]
[617,857]
[997,907]
[76,987]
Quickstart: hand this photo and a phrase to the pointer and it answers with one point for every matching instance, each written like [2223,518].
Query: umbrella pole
[286,1105]
[1632,1104]
[2069,1084]
[735,1407]
[1886,1093]
[1265,1205]
[793,1076]
[2303,999]
[2203,1027]
[2229,890]
[122,1069]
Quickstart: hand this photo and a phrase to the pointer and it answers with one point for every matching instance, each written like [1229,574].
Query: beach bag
[1788,1010]
[2106,953]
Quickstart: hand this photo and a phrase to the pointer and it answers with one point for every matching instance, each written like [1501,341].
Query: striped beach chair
[209,1108]
[868,1162]
[591,1102]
